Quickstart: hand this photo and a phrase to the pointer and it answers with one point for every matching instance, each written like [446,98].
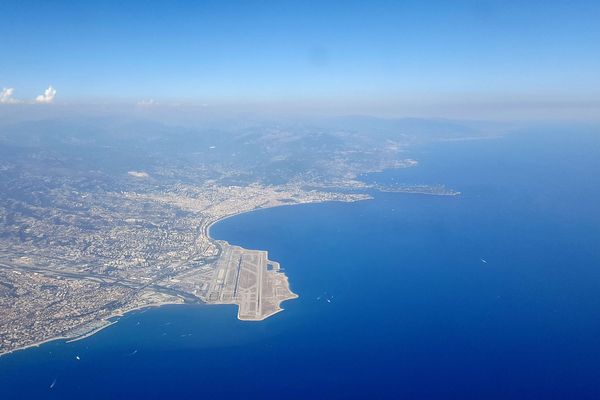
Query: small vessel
[77,358]
[53,383]
[483,261]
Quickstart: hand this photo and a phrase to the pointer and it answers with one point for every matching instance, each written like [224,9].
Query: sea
[492,294]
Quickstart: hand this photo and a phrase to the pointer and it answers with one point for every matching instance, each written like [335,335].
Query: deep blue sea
[493,294]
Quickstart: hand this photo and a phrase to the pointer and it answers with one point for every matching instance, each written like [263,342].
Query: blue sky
[368,52]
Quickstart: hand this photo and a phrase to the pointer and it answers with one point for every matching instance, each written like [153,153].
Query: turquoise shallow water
[414,312]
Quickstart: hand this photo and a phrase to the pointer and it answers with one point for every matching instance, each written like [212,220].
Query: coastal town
[64,280]
[95,224]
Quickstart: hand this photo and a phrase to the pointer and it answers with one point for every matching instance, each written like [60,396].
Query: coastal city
[300,200]
[89,232]
[63,280]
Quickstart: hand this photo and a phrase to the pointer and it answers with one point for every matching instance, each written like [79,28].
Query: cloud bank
[6,96]
[47,97]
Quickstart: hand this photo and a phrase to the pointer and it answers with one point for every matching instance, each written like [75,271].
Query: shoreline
[423,192]
[206,229]
[36,344]
[106,323]
[93,331]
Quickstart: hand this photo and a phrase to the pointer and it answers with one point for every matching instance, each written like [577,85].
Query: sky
[388,57]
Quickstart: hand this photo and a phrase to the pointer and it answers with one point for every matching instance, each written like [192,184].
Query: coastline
[107,321]
[36,344]
[93,331]
[211,223]
[424,192]
[296,296]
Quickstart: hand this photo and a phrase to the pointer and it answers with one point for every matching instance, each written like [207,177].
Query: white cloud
[47,97]
[6,96]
